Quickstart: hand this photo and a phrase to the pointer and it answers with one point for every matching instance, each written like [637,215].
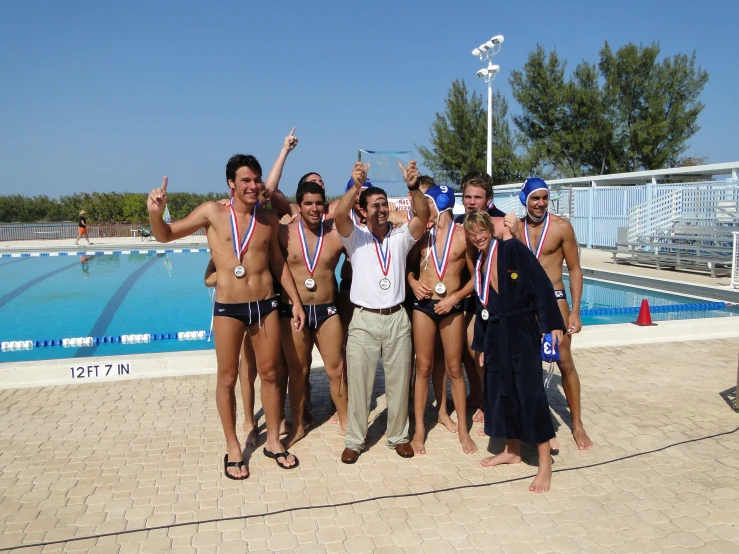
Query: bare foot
[468,445]
[234,455]
[582,439]
[251,435]
[554,445]
[504,457]
[479,416]
[543,479]
[334,420]
[418,443]
[447,422]
[481,432]
[294,437]
[342,430]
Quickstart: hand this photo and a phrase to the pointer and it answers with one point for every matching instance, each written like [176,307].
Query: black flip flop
[227,464]
[279,455]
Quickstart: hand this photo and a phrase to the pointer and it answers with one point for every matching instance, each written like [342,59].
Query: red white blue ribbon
[241,246]
[310,263]
[382,248]
[491,204]
[441,264]
[482,284]
[542,238]
[410,215]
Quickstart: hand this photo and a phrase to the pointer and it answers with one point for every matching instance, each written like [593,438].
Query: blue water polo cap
[529,186]
[350,184]
[442,196]
[549,349]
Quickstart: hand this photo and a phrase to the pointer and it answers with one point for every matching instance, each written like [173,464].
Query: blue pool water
[44,298]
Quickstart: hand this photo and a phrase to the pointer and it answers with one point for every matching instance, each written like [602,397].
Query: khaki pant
[371,336]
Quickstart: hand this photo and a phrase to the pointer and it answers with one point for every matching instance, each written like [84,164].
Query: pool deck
[136,466]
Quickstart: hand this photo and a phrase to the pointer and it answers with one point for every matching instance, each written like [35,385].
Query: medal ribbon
[542,238]
[239,249]
[441,267]
[490,204]
[310,263]
[482,286]
[383,257]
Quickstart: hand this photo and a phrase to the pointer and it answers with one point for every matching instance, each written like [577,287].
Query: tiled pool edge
[725,294]
[200,362]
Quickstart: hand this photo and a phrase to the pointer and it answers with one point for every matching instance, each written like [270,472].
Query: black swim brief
[470,304]
[246,312]
[427,307]
[315,313]
[560,294]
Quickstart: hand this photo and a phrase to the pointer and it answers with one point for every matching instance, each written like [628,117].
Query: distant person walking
[82,228]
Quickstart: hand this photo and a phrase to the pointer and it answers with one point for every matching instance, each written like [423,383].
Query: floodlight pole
[486,52]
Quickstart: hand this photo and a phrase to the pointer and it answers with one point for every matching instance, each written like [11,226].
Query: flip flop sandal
[281,455]
[227,464]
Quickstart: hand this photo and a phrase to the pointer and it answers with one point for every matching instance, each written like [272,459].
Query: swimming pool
[159,293]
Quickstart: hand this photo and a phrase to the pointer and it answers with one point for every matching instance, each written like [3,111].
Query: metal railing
[735,263]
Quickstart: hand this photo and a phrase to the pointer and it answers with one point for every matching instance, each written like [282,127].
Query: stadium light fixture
[485,52]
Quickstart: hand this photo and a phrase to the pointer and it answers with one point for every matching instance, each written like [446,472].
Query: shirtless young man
[244,247]
[552,240]
[477,194]
[313,249]
[439,291]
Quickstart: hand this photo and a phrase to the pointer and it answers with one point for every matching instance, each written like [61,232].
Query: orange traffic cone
[645,316]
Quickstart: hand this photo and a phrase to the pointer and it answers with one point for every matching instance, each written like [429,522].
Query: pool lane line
[13,261]
[101,325]
[33,282]
[365,500]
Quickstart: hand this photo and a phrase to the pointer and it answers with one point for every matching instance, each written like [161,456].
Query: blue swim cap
[529,186]
[549,348]
[350,184]
[443,197]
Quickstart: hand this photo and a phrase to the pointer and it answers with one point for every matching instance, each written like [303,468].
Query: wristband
[414,187]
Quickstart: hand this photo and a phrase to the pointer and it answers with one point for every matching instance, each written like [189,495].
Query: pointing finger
[292,133]
[164,184]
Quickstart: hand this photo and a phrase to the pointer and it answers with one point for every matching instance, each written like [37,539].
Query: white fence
[596,213]
[735,265]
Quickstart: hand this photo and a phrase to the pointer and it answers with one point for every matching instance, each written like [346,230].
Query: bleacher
[683,246]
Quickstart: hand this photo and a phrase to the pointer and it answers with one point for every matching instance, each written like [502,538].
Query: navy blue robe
[523,309]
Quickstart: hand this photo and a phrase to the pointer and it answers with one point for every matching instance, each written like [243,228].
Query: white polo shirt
[367,271]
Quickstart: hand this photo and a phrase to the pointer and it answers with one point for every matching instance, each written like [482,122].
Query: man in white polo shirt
[380,327]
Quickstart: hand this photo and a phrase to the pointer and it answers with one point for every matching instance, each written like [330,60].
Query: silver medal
[485,315]
[239,271]
[310,284]
[440,288]
[385,283]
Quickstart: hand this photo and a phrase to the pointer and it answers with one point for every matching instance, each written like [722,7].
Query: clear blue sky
[112,95]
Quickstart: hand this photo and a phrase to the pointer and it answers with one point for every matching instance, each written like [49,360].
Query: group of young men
[447,274]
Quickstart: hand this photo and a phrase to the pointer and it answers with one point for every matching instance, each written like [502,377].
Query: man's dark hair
[425,182]
[371,191]
[309,187]
[242,160]
[478,179]
[304,178]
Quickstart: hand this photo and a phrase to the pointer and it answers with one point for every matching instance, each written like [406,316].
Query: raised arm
[419,206]
[344,223]
[569,249]
[275,174]
[167,232]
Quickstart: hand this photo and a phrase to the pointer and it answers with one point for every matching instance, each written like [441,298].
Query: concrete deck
[136,466]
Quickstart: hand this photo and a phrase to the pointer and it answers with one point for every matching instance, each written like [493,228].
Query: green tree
[626,113]
[459,138]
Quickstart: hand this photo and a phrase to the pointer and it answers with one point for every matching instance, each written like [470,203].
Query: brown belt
[382,311]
